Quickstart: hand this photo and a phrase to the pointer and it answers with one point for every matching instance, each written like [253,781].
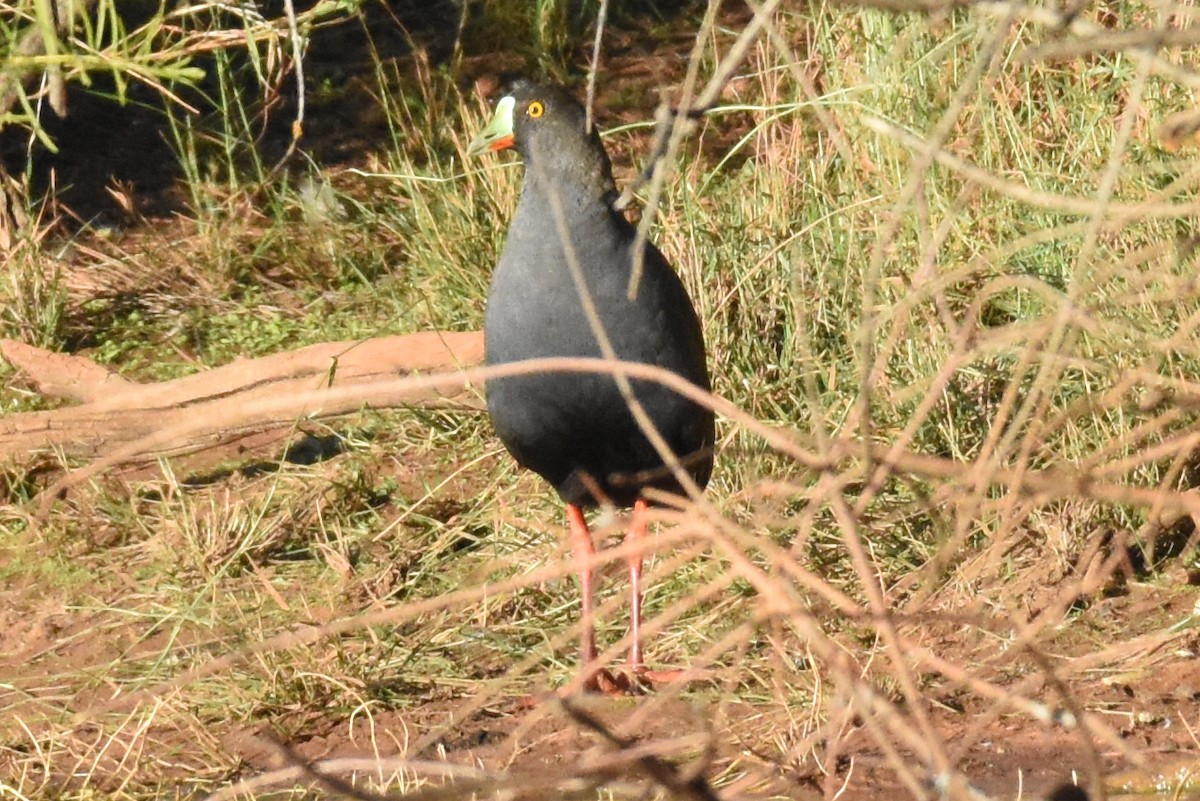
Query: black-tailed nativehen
[569,249]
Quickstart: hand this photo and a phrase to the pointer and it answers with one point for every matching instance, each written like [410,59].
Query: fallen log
[208,408]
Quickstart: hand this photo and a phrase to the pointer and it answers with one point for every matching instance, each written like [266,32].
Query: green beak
[498,135]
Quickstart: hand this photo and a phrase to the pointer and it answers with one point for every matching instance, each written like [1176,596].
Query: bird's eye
[535,109]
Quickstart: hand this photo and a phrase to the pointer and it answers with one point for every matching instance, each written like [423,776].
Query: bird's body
[569,250]
[572,427]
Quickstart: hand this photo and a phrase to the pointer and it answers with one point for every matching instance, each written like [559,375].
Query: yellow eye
[535,109]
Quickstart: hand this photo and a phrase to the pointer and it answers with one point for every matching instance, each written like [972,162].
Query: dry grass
[946,271]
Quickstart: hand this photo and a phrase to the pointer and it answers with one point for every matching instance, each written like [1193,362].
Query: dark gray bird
[576,429]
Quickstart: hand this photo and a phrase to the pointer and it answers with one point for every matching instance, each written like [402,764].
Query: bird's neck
[578,179]
[575,199]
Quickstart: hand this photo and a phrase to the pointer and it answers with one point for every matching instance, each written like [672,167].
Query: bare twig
[601,18]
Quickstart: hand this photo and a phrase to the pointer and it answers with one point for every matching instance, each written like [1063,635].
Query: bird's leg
[636,536]
[585,552]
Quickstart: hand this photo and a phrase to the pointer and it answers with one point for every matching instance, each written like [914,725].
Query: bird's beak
[498,135]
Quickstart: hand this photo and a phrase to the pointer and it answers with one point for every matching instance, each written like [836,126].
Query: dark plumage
[575,429]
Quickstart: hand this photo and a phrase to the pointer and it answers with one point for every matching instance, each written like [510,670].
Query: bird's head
[548,127]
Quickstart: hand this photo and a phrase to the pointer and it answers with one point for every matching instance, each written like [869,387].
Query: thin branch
[594,67]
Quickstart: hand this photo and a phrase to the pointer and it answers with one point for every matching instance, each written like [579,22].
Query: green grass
[985,328]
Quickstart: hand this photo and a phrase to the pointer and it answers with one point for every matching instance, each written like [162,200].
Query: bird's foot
[638,681]
[616,683]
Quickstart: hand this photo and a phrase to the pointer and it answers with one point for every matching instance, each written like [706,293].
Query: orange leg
[584,551]
[636,536]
